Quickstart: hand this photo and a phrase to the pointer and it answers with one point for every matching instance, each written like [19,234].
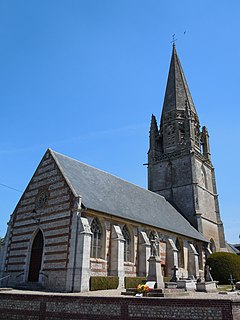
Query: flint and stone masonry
[46,307]
[74,221]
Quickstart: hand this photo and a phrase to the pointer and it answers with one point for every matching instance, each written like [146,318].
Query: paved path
[117,293]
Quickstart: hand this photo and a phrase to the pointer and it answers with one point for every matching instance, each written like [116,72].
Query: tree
[223,264]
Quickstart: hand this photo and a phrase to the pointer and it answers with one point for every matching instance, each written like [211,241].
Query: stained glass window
[96,244]
[127,244]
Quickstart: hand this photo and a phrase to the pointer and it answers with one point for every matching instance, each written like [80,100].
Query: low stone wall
[236,310]
[56,307]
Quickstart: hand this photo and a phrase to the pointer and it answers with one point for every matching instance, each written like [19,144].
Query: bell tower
[179,162]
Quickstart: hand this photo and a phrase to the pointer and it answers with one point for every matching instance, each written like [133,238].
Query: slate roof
[177,90]
[232,248]
[106,193]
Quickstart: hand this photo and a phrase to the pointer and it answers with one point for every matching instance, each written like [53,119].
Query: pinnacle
[154,123]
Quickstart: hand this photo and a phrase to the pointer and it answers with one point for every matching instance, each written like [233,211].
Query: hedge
[132,282]
[103,283]
[223,264]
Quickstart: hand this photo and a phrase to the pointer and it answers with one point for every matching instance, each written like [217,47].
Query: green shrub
[103,283]
[166,279]
[223,264]
[132,282]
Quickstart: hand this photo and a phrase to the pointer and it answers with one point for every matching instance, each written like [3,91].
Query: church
[74,222]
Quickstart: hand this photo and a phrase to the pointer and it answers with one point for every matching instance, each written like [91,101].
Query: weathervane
[173,39]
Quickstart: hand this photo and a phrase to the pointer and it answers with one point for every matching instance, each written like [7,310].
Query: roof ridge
[104,192]
[62,171]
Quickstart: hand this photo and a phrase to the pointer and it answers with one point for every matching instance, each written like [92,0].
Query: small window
[212,246]
[42,198]
[199,251]
[127,244]
[96,244]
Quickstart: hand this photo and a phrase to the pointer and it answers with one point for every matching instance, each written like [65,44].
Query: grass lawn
[224,287]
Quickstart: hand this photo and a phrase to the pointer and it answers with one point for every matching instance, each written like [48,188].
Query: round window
[42,199]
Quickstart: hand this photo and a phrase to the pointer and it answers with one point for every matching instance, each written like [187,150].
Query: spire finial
[173,40]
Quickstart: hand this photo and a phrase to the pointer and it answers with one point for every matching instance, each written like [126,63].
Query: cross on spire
[173,39]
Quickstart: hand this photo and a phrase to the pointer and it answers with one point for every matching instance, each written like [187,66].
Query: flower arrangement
[143,288]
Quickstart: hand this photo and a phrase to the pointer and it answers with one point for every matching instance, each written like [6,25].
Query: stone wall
[190,184]
[45,205]
[56,307]
[49,207]
[138,265]
[236,310]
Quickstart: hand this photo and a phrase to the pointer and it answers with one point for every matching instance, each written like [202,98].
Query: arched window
[151,235]
[199,251]
[96,244]
[179,246]
[204,177]
[127,244]
[212,246]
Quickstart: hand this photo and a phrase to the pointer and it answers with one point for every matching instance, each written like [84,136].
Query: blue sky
[84,76]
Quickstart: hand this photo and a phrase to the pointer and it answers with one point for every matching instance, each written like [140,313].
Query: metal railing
[43,274]
[20,274]
[4,278]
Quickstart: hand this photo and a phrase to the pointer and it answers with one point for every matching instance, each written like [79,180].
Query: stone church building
[74,221]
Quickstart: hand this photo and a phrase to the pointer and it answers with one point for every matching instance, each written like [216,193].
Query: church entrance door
[36,258]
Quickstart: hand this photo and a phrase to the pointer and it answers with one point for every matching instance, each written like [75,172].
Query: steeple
[179,126]
[179,164]
[177,94]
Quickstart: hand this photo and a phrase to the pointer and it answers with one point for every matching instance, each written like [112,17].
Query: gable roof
[232,248]
[106,193]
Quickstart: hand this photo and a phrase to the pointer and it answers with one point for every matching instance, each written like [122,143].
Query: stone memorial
[208,276]
[174,277]
[186,284]
[237,285]
[231,282]
[172,284]
[208,285]
[155,270]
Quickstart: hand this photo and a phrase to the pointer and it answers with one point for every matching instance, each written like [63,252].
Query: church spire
[179,127]
[179,162]
[177,93]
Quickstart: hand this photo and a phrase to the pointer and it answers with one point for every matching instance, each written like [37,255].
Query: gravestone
[237,285]
[208,276]
[208,285]
[174,277]
[231,282]
[172,284]
[186,284]
[151,284]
